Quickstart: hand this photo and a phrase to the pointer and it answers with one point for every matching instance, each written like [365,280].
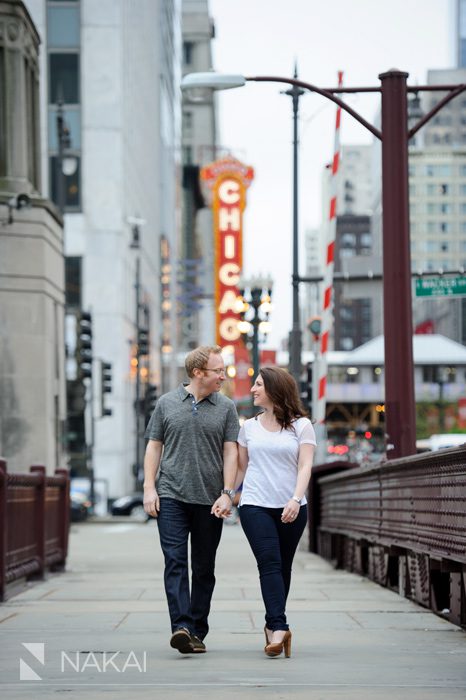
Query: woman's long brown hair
[282,390]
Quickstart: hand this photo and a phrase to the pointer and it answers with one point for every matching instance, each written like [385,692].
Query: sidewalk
[351,638]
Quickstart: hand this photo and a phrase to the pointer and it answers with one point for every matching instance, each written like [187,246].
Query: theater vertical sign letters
[228,179]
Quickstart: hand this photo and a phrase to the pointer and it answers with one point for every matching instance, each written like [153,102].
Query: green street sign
[441,286]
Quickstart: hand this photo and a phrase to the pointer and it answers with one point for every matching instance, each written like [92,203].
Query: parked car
[441,442]
[132,505]
[79,506]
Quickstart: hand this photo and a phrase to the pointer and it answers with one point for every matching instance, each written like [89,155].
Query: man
[192,452]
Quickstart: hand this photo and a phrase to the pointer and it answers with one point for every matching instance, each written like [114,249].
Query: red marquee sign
[228,179]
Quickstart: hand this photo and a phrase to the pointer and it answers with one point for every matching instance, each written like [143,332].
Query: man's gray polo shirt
[193,434]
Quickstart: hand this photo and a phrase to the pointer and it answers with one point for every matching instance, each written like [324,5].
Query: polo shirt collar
[183,394]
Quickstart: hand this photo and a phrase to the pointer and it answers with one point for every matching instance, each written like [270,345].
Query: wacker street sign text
[441,287]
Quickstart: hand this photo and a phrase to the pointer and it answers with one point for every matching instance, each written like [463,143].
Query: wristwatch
[229,492]
[295,498]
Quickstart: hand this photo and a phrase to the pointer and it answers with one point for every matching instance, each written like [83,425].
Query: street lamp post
[254,307]
[295,344]
[394,135]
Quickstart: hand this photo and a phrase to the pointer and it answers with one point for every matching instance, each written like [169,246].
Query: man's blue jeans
[274,545]
[176,522]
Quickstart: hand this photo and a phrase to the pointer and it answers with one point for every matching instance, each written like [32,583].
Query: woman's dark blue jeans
[274,545]
[176,522]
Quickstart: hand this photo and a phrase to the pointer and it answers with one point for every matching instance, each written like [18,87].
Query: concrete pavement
[101,630]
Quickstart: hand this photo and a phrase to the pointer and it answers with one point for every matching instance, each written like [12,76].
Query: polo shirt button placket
[193,403]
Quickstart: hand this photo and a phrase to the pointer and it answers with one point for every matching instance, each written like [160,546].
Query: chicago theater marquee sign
[228,179]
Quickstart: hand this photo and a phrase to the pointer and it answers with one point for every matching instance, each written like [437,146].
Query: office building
[199,147]
[115,69]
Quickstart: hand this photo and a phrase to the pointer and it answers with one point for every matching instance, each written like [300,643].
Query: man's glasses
[218,370]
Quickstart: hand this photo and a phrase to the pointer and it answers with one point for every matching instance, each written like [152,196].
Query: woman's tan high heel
[276,648]
[267,640]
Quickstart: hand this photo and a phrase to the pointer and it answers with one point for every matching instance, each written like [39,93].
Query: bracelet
[295,498]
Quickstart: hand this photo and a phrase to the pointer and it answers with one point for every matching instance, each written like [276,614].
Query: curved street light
[394,134]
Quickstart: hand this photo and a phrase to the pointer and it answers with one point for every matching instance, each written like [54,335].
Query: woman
[276,449]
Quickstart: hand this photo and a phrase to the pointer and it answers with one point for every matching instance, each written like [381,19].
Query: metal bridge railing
[34,524]
[402,523]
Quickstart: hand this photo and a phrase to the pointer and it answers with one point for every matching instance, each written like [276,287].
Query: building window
[63,44]
[63,28]
[72,185]
[429,373]
[347,344]
[187,155]
[188,49]
[365,239]
[73,282]
[347,253]
[348,240]
[440,170]
[72,116]
[433,208]
[366,309]
[64,78]
[463,53]
[346,313]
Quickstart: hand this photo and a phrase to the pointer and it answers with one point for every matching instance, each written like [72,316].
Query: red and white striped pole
[327,311]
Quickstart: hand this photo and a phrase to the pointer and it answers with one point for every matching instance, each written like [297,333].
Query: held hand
[290,511]
[151,502]
[222,507]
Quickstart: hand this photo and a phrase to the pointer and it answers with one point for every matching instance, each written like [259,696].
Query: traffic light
[315,326]
[143,341]
[75,397]
[105,386]
[84,345]
[150,401]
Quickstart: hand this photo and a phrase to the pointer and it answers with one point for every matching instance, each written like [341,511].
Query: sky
[363,38]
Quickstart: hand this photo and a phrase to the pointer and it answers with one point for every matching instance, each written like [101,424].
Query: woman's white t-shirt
[270,479]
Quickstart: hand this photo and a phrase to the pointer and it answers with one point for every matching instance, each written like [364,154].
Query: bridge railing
[402,523]
[34,524]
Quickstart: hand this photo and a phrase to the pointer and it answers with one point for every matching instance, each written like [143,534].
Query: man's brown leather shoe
[198,645]
[183,641]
